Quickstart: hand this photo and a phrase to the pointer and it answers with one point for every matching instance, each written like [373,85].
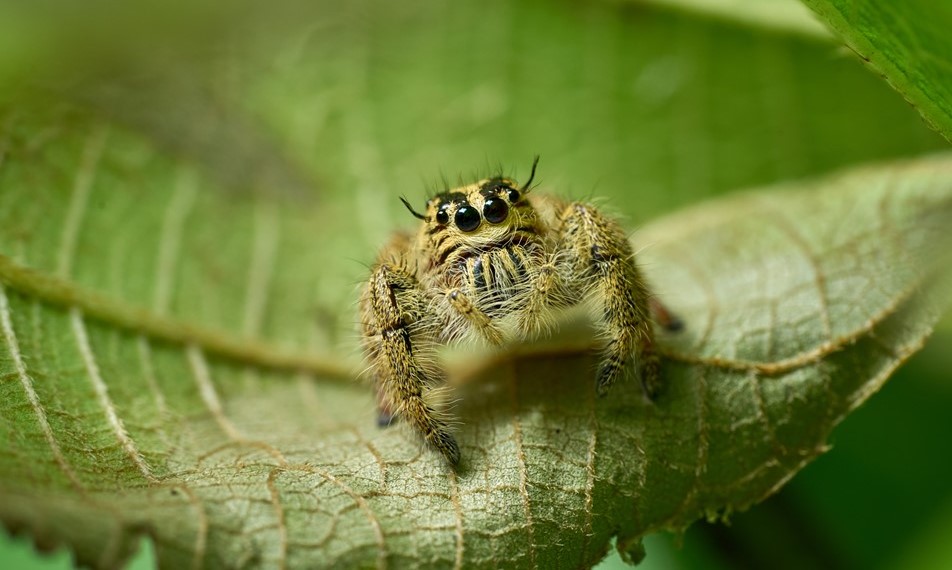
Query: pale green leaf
[785,16]
[138,408]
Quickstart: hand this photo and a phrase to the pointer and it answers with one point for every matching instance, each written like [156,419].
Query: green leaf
[131,410]
[182,362]
[653,109]
[907,42]
[785,16]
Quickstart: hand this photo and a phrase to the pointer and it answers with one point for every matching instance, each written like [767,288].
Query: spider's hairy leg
[546,290]
[477,319]
[391,304]
[604,259]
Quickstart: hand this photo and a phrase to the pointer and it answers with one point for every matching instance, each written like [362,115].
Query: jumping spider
[489,263]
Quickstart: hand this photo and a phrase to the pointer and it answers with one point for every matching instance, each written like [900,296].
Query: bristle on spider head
[535,162]
[416,214]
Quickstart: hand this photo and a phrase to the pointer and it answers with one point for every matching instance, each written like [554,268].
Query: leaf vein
[102,394]
[78,201]
[27,382]
[201,533]
[361,503]
[458,527]
[785,225]
[261,269]
[62,293]
[279,517]
[523,468]
[206,389]
[148,372]
[590,474]
[173,224]
[757,391]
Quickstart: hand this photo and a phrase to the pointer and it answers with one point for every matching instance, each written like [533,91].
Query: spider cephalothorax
[490,263]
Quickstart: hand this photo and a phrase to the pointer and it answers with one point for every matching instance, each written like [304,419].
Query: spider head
[484,211]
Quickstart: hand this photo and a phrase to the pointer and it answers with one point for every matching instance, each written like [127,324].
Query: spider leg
[391,306]
[474,316]
[385,414]
[603,260]
[664,317]
[545,291]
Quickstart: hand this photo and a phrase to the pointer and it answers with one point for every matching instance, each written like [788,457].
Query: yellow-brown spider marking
[490,262]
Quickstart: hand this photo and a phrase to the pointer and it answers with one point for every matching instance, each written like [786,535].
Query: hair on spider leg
[362,263]
[643,248]
[663,316]
[354,350]
[442,399]
[427,356]
[386,419]
[365,373]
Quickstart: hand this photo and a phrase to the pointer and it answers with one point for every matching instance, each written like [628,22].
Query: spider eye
[442,217]
[495,210]
[467,218]
[513,195]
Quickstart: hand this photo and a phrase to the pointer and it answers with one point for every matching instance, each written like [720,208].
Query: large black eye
[467,218]
[495,210]
[442,217]
[513,195]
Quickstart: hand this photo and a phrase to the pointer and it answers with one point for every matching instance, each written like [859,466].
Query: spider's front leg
[473,316]
[546,290]
[392,306]
[603,261]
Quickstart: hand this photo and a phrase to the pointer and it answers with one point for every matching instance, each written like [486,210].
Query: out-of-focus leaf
[907,42]
[931,550]
[783,16]
[653,109]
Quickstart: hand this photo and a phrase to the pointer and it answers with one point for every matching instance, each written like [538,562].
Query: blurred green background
[653,105]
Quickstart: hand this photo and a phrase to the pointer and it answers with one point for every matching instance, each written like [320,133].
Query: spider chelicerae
[490,263]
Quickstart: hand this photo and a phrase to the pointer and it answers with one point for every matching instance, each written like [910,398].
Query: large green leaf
[129,408]
[907,42]
[174,309]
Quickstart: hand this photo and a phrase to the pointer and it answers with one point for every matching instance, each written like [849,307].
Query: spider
[490,263]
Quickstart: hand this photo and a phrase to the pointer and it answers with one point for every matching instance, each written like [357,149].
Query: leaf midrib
[260,353]
[252,351]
